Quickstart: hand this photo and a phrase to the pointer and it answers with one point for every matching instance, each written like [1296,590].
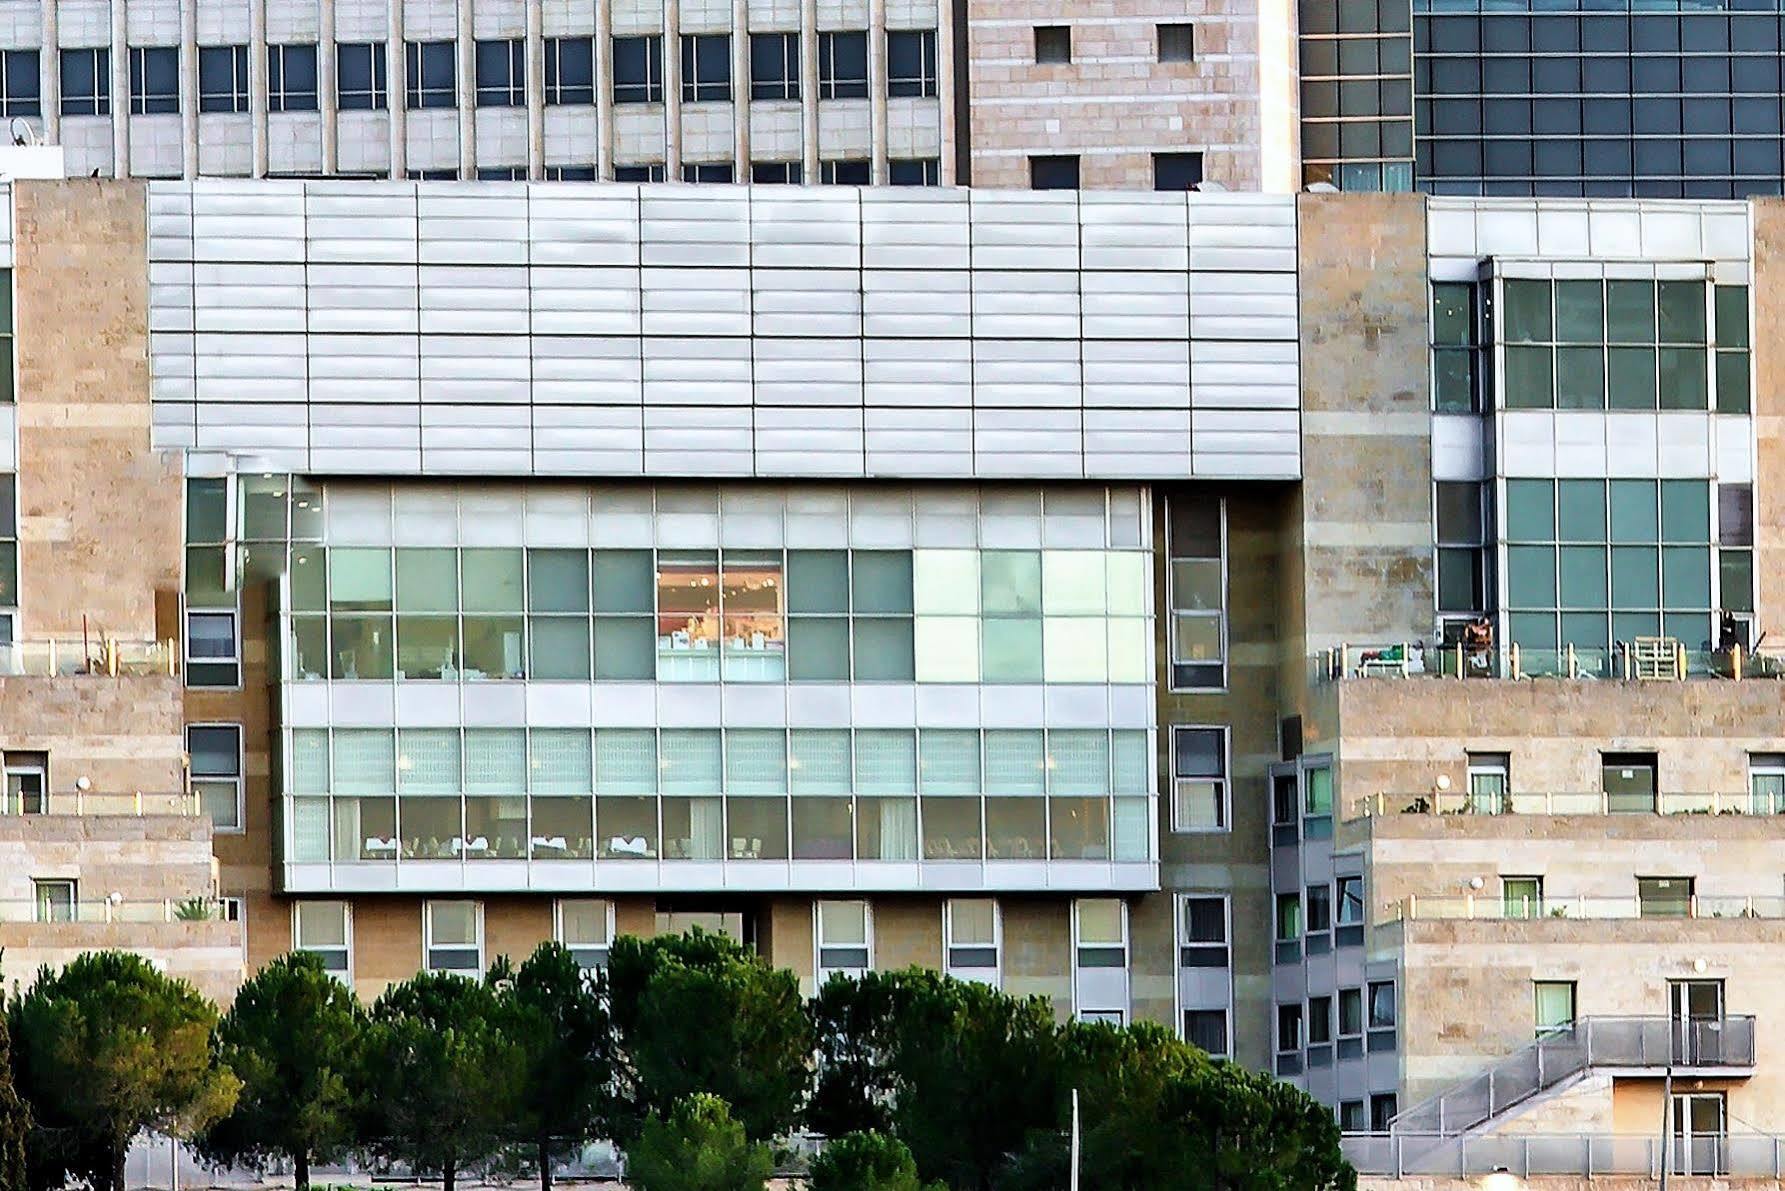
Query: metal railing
[109,657]
[98,804]
[1571,802]
[1486,907]
[1737,1155]
[1636,1043]
[1625,661]
[48,909]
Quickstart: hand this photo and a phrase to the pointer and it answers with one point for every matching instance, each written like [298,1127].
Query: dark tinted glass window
[360,75]
[154,79]
[21,75]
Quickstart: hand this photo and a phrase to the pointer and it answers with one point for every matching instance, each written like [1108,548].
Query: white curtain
[706,829]
[898,829]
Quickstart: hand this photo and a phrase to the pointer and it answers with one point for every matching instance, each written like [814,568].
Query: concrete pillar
[257,84]
[396,77]
[877,91]
[604,89]
[809,90]
[535,57]
[328,90]
[49,68]
[946,49]
[188,88]
[672,90]
[740,89]
[465,68]
[120,72]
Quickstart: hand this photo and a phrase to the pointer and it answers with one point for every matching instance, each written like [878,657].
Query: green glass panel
[558,580]
[1533,630]
[881,581]
[207,574]
[1531,576]
[1010,582]
[1580,378]
[1732,316]
[625,648]
[491,580]
[1525,312]
[1630,312]
[1691,629]
[1582,577]
[1452,322]
[817,581]
[1685,511]
[1012,649]
[1635,577]
[1735,581]
[1585,630]
[1580,506]
[1683,379]
[818,649]
[1627,626]
[1528,383]
[1682,311]
[1732,383]
[309,582]
[625,581]
[207,510]
[1580,312]
[1459,580]
[1530,511]
[1453,380]
[427,580]
[1633,514]
[1630,377]
[560,646]
[1686,577]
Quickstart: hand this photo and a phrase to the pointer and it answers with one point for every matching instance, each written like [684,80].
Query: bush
[867,1162]
[699,1148]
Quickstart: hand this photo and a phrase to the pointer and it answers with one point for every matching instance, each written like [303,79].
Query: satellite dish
[23,133]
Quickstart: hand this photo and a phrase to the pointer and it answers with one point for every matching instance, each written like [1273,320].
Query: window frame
[650,90]
[238,780]
[1176,29]
[1052,45]
[506,88]
[558,93]
[44,909]
[696,51]
[763,87]
[233,659]
[212,101]
[280,96]
[923,84]
[421,60]
[831,84]
[1172,611]
[1100,951]
[30,67]
[950,946]
[1224,783]
[428,946]
[1539,1030]
[99,101]
[823,971]
[577,949]
[345,972]
[376,94]
[142,101]
[1053,166]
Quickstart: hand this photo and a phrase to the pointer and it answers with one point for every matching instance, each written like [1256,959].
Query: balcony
[95,804]
[1644,659]
[1487,908]
[104,657]
[1532,1155]
[1585,802]
[193,938]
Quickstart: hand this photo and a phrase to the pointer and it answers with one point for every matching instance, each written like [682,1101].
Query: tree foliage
[106,1048]
[697,1147]
[442,1076]
[293,1039]
[867,1162]
[15,1119]
[697,1013]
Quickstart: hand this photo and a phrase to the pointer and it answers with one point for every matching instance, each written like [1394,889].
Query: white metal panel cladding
[607,330]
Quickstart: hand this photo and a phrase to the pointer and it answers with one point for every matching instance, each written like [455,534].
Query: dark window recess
[774,66]
[431,68]
[1177,171]
[842,66]
[360,76]
[638,69]
[1053,173]
[706,171]
[706,67]
[653,172]
[913,171]
[154,80]
[86,82]
[502,73]
[844,173]
[775,171]
[1177,43]
[21,76]
[291,78]
[911,63]
[1053,44]
[569,70]
[1207,1029]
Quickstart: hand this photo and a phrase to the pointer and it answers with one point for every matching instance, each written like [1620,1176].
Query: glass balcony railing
[1583,802]
[105,657]
[1658,658]
[1489,907]
[59,905]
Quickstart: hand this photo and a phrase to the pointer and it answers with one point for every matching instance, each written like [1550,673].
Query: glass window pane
[364,761]
[817,581]
[1459,513]
[495,760]
[1684,383]
[1581,510]
[818,649]
[214,751]
[1012,650]
[1635,577]
[1072,582]
[881,581]
[1074,650]
[1531,576]
[309,585]
[818,760]
[558,580]
[1686,577]
[1630,377]
[1530,510]
[1010,582]
[885,762]
[1528,383]
[1732,383]
[1732,316]
[1580,378]
[1099,921]
[207,510]
[559,761]
[625,761]
[1735,583]
[1630,311]
[560,648]
[625,648]
[1015,762]
[755,761]
[1127,579]
[689,761]
[1131,762]
[1525,317]
[1681,306]
[428,761]
[885,650]
[624,581]
[948,761]
[309,773]
[1078,762]
[427,580]
[492,580]
[1685,511]
[947,648]
[1580,312]
[1582,577]
[358,579]
[1452,320]
[1633,511]
[946,581]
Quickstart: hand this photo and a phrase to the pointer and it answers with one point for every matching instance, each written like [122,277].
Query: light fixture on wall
[1699,965]
[1443,782]
[1476,883]
[83,783]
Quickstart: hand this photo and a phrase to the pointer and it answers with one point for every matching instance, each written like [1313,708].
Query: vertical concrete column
[328,90]
[49,69]
[740,90]
[535,91]
[257,84]
[120,72]
[946,49]
[465,67]
[188,88]
[809,90]
[396,78]
[672,90]
[877,91]
[604,89]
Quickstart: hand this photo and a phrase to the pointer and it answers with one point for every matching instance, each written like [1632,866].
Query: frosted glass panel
[428,761]
[560,761]
[1072,582]
[947,649]
[885,762]
[309,762]
[948,761]
[755,762]
[1131,762]
[1078,762]
[495,760]
[309,830]
[1074,650]
[365,761]
[1014,762]
[625,761]
[690,761]
[819,762]
[1128,640]
[1131,829]
[1126,574]
[945,581]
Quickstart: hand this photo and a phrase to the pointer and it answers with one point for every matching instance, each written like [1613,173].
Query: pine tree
[14,1121]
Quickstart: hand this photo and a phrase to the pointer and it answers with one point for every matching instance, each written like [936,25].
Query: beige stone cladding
[1600,1182]
[123,735]
[1115,104]
[1768,215]
[208,954]
[142,858]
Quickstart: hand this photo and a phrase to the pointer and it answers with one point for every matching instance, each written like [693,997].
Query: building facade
[1333,626]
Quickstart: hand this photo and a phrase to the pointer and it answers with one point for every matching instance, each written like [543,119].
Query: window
[911,63]
[222,78]
[9,545]
[570,173]
[501,173]
[586,928]
[1490,789]
[1351,1116]
[1053,173]
[1100,931]
[21,84]
[291,78]
[1319,901]
[1554,1005]
[1177,171]
[1199,779]
[706,171]
[1462,547]
[56,901]
[1205,933]
[1521,897]
[913,171]
[1618,343]
[325,929]
[774,66]
[1664,897]
[154,79]
[1207,1029]
[652,172]
[1628,782]
[844,173]
[1731,337]
[638,70]
[1196,540]
[1289,1029]
[1382,1005]
[1351,1012]
[360,76]
[26,791]
[1320,1020]
[215,753]
[1053,44]
[1351,901]
[502,73]
[1456,348]
[971,930]
[1289,917]
[1766,771]
[569,70]
[213,657]
[87,82]
[453,937]
[1317,793]
[769,172]
[706,67]
[431,75]
[1177,43]
[845,937]
[842,66]
[1382,1112]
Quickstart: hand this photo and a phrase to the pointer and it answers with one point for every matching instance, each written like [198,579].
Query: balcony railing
[97,804]
[1660,658]
[49,910]
[108,657]
[1733,1155]
[1489,908]
[1583,802]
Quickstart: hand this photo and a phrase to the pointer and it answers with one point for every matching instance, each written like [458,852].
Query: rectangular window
[1664,897]
[1100,932]
[707,171]
[569,70]
[1199,779]
[1490,786]
[1350,901]
[453,937]
[1053,172]
[842,66]
[638,71]
[1554,1006]
[1459,514]
[9,544]
[87,82]
[1628,782]
[1289,917]
[913,171]
[586,929]
[911,63]
[1053,45]
[1317,793]
[154,79]
[1382,1005]
[1177,43]
[1320,1020]
[502,73]
[360,70]
[845,937]
[222,78]
[1320,908]
[1196,539]
[1382,1112]
[21,84]
[706,67]
[1351,1116]
[1456,348]
[854,172]
[1351,1012]
[570,173]
[26,789]
[1289,1029]
[774,66]
[1204,944]
[972,939]
[291,78]
[1766,771]
[324,928]
[775,172]
[1177,171]
[215,754]
[1521,897]
[55,900]
[651,172]
[213,655]
[432,70]
[1207,1029]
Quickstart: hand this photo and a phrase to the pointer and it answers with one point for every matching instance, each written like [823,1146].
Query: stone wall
[1768,296]
[144,858]
[209,954]
[122,734]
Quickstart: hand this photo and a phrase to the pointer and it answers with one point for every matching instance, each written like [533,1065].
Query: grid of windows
[87,82]
[638,70]
[843,65]
[1357,94]
[706,67]
[154,80]
[1620,99]
[222,78]
[431,75]
[360,76]
[705,794]
[774,66]
[291,78]
[911,63]
[569,70]
[21,84]
[502,73]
